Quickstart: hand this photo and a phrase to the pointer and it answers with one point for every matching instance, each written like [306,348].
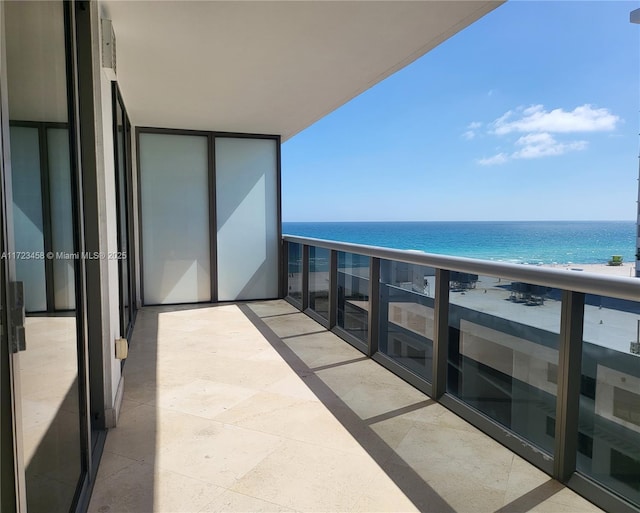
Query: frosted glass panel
[247,218]
[175,218]
[61,217]
[27,216]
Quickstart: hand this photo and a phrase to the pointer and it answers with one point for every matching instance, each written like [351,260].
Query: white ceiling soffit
[269,67]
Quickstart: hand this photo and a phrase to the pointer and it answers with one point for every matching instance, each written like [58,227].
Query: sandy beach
[626,269]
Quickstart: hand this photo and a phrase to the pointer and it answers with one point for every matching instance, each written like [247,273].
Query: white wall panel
[247,218]
[175,218]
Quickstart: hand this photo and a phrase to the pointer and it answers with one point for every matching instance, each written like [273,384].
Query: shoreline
[627,269]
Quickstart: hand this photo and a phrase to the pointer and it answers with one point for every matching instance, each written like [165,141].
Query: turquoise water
[532,242]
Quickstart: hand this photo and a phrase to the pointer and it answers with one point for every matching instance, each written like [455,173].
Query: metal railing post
[284,267]
[374,306]
[333,288]
[569,374]
[305,277]
[441,334]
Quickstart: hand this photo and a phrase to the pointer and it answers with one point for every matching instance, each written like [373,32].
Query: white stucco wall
[108,228]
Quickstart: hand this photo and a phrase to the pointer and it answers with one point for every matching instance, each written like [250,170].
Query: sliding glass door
[209,216]
[124,207]
[174,185]
[43,384]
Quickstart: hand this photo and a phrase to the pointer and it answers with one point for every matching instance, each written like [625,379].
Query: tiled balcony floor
[221,414]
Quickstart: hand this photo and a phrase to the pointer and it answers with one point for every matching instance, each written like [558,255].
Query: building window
[551,426]
[552,373]
[625,469]
[626,405]
[588,386]
[585,445]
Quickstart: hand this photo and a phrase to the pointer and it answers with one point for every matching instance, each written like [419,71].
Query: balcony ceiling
[272,67]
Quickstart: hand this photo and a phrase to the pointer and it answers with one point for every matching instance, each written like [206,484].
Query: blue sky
[531,113]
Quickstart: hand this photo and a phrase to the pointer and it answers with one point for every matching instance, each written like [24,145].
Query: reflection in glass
[294,271]
[28,221]
[353,294]
[406,315]
[42,210]
[503,352]
[609,426]
[319,281]
[61,216]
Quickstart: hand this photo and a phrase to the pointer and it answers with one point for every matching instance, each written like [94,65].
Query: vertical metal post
[569,373]
[441,334]
[284,269]
[305,277]
[374,306]
[333,287]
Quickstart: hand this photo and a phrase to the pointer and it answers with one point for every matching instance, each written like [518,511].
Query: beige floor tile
[367,389]
[272,308]
[525,478]
[393,431]
[141,488]
[233,502]
[292,386]
[444,459]
[299,476]
[202,398]
[566,501]
[295,419]
[321,349]
[214,419]
[112,463]
[143,431]
[219,454]
[294,324]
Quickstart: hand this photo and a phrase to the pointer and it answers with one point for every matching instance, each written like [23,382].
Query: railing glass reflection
[353,294]
[294,272]
[319,281]
[609,427]
[503,352]
[406,315]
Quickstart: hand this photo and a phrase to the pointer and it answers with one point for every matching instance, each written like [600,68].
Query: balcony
[456,372]
[544,361]
[464,386]
[257,407]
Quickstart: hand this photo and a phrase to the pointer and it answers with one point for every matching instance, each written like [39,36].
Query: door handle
[17,341]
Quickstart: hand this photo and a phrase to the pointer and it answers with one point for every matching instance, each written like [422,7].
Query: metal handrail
[586,282]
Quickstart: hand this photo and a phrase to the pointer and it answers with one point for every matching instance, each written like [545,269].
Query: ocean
[527,242]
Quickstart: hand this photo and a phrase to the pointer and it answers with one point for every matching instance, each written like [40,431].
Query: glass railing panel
[609,425]
[406,315]
[319,263]
[503,352]
[294,271]
[353,294]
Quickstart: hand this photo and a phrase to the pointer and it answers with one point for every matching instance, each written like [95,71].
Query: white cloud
[471,130]
[533,146]
[500,158]
[542,129]
[584,118]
